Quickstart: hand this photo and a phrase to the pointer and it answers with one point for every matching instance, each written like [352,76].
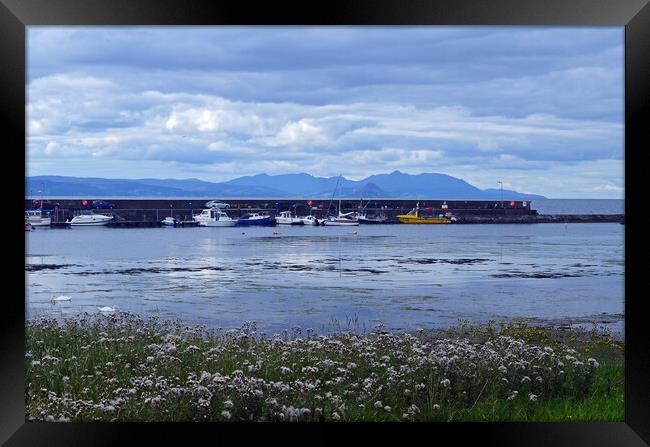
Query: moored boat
[309,220]
[169,221]
[214,217]
[90,219]
[415,216]
[363,218]
[343,219]
[285,218]
[37,218]
[255,219]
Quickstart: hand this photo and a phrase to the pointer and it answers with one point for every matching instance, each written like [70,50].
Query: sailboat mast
[333,194]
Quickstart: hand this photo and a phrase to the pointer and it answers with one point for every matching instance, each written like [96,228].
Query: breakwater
[149,212]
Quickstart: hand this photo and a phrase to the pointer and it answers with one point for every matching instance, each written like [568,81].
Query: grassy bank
[123,368]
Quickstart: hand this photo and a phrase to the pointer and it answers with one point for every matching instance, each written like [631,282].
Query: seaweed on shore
[459,261]
[37,267]
[138,271]
[536,275]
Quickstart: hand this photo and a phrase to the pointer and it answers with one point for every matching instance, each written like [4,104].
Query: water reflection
[404,276]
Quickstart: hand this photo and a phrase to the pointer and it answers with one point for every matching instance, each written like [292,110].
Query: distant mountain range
[396,185]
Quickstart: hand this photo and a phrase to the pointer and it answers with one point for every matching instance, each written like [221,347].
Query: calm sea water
[579,206]
[402,276]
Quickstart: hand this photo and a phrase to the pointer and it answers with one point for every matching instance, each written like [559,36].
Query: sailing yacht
[343,219]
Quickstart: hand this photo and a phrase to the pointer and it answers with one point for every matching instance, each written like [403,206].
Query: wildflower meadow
[122,367]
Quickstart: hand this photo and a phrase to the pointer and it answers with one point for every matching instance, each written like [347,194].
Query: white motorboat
[285,218]
[214,217]
[91,219]
[309,220]
[36,218]
[169,221]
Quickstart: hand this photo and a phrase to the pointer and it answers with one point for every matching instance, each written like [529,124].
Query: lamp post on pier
[501,183]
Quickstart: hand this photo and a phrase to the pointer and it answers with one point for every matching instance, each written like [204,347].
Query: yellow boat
[415,217]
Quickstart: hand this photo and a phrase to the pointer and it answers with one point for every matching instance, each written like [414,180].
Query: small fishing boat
[214,217]
[37,218]
[309,220]
[255,219]
[285,218]
[28,226]
[169,221]
[90,220]
[415,216]
[363,218]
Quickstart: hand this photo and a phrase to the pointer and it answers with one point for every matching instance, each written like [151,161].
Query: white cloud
[172,122]
[607,188]
[217,146]
[300,133]
[50,149]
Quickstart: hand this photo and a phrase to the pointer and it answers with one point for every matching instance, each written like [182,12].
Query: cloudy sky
[538,108]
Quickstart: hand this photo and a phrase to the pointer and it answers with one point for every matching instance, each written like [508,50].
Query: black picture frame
[16,15]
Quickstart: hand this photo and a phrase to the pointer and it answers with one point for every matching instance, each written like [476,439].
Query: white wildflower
[593,363]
